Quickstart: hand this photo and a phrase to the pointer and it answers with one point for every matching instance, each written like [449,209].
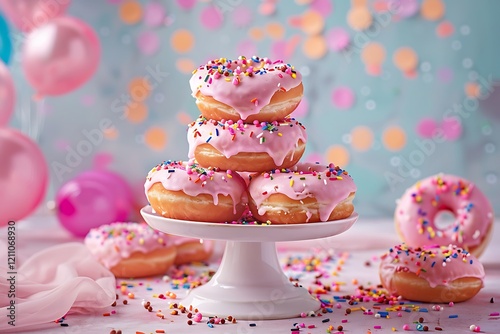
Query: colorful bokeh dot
[362,138]
[445,29]
[139,88]
[242,16]
[156,138]
[185,65]
[154,14]
[131,12]
[324,7]
[373,54]
[111,133]
[256,33]
[184,118]
[182,41]
[312,22]
[338,39]
[452,128]
[432,10]
[359,18]
[136,112]
[275,30]
[394,138]
[148,42]
[186,4]
[405,59]
[338,154]
[343,97]
[472,90]
[426,127]
[211,18]
[315,47]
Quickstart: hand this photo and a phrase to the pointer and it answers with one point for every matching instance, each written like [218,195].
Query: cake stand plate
[249,283]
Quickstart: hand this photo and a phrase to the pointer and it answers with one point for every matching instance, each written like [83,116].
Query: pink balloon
[92,199]
[7,95]
[60,56]
[26,15]
[23,175]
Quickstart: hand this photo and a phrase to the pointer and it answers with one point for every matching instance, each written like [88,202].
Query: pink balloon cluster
[23,170]
[60,52]
[59,55]
[92,199]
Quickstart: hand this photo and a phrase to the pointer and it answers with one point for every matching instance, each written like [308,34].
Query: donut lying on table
[433,274]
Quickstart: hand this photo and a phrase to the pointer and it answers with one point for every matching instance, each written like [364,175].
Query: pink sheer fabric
[56,281]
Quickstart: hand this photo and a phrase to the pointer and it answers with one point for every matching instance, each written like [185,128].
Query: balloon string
[25,114]
[33,119]
[39,119]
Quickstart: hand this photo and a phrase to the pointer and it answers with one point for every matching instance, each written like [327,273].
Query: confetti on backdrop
[362,138]
[343,97]
[372,87]
[131,12]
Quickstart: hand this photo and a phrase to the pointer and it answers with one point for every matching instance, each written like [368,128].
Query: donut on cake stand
[249,283]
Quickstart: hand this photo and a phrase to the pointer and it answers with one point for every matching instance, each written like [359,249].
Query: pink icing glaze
[230,138]
[194,180]
[438,265]
[416,211]
[329,185]
[113,242]
[230,82]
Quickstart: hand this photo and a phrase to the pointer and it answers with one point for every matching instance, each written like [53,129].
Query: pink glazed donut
[432,274]
[305,193]
[254,147]
[187,191]
[246,88]
[131,249]
[417,210]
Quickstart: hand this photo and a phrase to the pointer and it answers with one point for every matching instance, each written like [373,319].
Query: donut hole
[444,219]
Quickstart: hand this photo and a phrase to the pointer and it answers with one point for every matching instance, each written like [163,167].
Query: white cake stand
[249,283]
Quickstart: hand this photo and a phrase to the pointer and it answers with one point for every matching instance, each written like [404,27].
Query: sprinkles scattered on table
[323,272]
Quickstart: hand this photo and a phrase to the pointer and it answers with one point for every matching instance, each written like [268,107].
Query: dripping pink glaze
[113,242]
[194,180]
[427,263]
[327,194]
[417,209]
[279,138]
[247,95]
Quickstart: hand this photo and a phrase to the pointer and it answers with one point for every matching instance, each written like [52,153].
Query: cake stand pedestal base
[250,284]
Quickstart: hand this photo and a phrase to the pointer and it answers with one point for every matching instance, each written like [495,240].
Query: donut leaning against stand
[246,88]
[306,193]
[131,249]
[252,147]
[187,191]
[192,250]
[433,274]
[416,212]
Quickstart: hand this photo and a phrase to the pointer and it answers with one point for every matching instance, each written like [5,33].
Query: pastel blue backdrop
[470,55]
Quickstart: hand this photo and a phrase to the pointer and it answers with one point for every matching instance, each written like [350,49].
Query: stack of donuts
[438,262]
[244,153]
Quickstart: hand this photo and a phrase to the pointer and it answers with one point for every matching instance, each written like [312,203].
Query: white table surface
[362,244]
